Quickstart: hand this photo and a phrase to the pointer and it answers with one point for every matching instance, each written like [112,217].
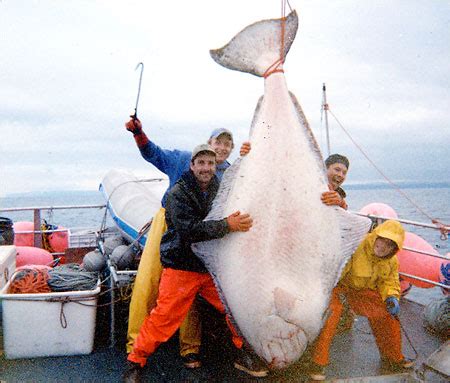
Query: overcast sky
[68,83]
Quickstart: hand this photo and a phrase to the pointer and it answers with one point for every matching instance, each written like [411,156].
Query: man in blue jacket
[145,291]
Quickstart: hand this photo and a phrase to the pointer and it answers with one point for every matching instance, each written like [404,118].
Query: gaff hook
[134,116]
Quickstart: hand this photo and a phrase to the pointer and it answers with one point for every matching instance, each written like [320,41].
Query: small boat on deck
[132,202]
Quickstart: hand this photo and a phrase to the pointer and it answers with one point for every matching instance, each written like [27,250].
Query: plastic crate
[48,324]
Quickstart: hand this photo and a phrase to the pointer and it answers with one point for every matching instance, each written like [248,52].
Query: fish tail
[257,47]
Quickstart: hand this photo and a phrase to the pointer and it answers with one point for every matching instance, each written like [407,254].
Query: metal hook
[134,116]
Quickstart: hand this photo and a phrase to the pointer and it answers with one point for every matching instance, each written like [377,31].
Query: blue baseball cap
[219,131]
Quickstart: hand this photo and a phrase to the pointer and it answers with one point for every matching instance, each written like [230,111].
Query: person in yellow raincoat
[370,284]
[146,286]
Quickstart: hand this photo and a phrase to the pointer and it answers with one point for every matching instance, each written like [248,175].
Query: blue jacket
[173,163]
[186,208]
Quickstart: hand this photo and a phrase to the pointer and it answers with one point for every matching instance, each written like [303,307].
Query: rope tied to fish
[276,67]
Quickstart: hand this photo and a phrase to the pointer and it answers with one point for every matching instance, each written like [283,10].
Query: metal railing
[37,231]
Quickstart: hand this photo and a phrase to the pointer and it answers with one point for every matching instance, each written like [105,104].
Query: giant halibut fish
[276,279]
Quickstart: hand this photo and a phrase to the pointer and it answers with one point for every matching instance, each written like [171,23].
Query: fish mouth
[286,350]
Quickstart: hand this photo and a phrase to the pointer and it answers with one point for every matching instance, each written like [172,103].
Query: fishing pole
[134,116]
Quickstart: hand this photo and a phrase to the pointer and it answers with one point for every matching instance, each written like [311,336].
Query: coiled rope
[29,281]
[71,277]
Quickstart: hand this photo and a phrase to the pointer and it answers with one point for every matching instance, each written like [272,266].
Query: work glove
[392,306]
[134,126]
[245,149]
[332,198]
[239,222]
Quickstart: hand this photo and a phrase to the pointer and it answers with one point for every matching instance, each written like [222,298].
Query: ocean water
[67,218]
[433,199]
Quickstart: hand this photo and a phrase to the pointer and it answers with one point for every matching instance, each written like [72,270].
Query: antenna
[325,109]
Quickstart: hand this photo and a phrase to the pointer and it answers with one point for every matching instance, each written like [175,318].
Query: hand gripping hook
[134,116]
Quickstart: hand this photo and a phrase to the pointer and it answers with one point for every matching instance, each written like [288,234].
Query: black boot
[250,363]
[132,373]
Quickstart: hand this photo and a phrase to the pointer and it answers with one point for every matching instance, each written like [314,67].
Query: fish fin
[353,229]
[315,147]
[255,48]
[256,115]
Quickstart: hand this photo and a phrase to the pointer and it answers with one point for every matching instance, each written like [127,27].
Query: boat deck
[354,356]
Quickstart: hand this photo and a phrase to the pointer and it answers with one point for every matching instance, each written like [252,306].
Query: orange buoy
[59,240]
[419,265]
[23,239]
[379,209]
[29,255]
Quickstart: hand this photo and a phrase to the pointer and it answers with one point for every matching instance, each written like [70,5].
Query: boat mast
[325,109]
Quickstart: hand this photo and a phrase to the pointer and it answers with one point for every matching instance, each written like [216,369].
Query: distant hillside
[402,184]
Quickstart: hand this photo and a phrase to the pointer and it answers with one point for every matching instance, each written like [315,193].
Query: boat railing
[38,231]
[401,220]
[37,210]
[374,217]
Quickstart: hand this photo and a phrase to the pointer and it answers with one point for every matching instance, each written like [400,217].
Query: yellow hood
[392,230]
[366,271]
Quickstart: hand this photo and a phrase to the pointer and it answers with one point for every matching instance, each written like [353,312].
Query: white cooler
[48,324]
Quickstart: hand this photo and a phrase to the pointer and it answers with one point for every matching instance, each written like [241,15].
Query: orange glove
[245,148]
[332,198]
[134,126]
[239,222]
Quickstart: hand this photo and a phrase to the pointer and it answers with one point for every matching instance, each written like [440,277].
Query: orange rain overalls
[145,293]
[365,284]
[177,291]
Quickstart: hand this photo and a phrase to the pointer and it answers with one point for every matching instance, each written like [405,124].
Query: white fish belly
[294,242]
